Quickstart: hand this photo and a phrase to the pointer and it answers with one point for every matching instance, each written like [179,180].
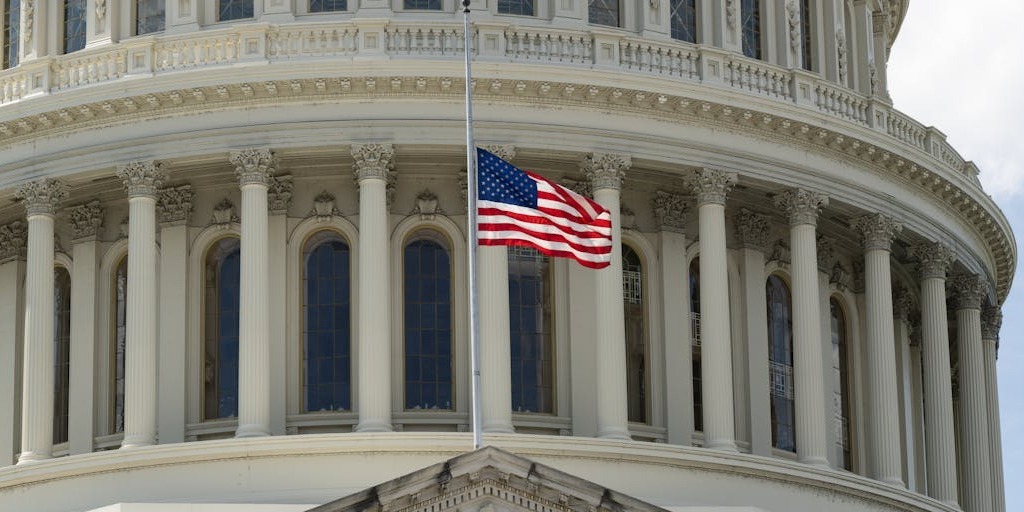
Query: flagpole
[471,195]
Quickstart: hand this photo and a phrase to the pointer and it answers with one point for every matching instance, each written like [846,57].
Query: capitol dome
[233,262]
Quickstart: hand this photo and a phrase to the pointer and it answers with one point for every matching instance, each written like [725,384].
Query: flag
[516,207]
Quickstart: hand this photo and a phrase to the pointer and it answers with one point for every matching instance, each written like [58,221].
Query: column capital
[877,231]
[670,211]
[42,197]
[991,322]
[801,205]
[505,152]
[605,170]
[933,258]
[373,161]
[279,195]
[142,178]
[86,220]
[13,240]
[254,166]
[711,185]
[826,254]
[174,205]
[752,229]
[968,290]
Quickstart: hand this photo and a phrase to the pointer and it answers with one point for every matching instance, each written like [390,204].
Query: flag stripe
[594,247]
[568,226]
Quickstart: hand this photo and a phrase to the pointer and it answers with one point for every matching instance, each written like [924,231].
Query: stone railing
[494,42]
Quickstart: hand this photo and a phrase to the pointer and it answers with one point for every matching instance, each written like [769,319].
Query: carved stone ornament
[28,11]
[373,161]
[627,218]
[142,178]
[605,170]
[254,166]
[877,231]
[873,75]
[580,187]
[323,207]
[505,152]
[86,220]
[730,14]
[858,276]
[279,194]
[793,19]
[224,213]
[991,322]
[915,331]
[902,302]
[464,187]
[968,291]
[841,277]
[801,205]
[670,211]
[711,185]
[13,241]
[934,259]
[841,52]
[781,253]
[101,11]
[826,254]
[426,205]
[174,205]
[123,228]
[42,197]
[752,229]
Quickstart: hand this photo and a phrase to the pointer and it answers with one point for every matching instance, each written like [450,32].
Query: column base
[614,433]
[31,457]
[897,482]
[820,462]
[373,426]
[252,431]
[130,442]
[723,445]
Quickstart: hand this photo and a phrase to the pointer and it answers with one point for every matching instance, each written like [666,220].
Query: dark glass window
[74,25]
[698,396]
[327,327]
[806,35]
[604,12]
[750,21]
[220,390]
[61,352]
[228,10]
[684,20]
[428,323]
[636,335]
[780,361]
[150,16]
[327,5]
[117,352]
[12,29]
[520,7]
[841,384]
[532,330]
[426,5]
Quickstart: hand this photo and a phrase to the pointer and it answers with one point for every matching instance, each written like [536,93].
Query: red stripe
[592,249]
[548,252]
[537,219]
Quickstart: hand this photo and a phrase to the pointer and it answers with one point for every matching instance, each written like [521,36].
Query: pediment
[488,480]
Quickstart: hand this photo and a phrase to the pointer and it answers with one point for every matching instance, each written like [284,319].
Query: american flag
[516,207]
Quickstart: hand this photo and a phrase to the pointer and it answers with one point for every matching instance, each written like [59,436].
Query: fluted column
[710,187]
[41,199]
[606,172]
[752,230]
[254,168]
[373,163]
[940,440]
[86,221]
[13,238]
[802,206]
[991,321]
[883,422]
[969,291]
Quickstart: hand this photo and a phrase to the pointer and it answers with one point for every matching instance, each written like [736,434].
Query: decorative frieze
[174,205]
[13,241]
[42,197]
[279,194]
[991,322]
[373,161]
[86,220]
[670,211]
[605,170]
[877,231]
[752,229]
[801,205]
[254,165]
[711,185]
[323,207]
[968,290]
[933,259]
[142,178]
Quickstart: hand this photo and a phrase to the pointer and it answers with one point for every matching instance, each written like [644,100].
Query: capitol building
[233,262]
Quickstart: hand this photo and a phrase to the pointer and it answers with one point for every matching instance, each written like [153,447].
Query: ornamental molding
[42,197]
[710,186]
[670,211]
[801,205]
[13,241]
[142,178]
[254,166]
[86,221]
[968,291]
[877,231]
[752,229]
[279,194]
[323,207]
[934,259]
[605,171]
[174,205]
[991,322]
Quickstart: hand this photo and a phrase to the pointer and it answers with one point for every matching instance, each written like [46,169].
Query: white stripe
[545,229]
[584,203]
[556,246]
[523,210]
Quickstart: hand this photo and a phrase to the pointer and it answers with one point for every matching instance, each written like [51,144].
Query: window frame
[133,19]
[63,25]
[645,320]
[553,329]
[62,355]
[206,253]
[212,13]
[788,289]
[10,29]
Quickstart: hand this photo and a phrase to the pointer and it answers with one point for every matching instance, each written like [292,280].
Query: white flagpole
[471,178]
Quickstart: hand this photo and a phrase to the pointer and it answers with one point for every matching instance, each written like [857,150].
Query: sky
[956,66]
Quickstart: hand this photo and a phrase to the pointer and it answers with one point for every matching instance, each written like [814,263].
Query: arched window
[604,12]
[517,7]
[228,10]
[117,352]
[12,29]
[684,20]
[636,335]
[220,327]
[427,306]
[150,16]
[698,396]
[806,31]
[74,25]
[327,324]
[61,352]
[780,360]
[532,330]
[840,384]
[750,22]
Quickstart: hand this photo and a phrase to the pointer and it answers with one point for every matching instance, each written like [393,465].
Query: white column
[670,212]
[802,206]
[710,186]
[752,231]
[174,206]
[279,198]
[974,445]
[605,171]
[991,321]
[254,168]
[41,199]
[373,164]
[883,422]
[141,180]
[86,221]
[12,316]
[940,441]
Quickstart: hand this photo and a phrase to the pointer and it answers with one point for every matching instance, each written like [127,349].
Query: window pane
[221,304]
[234,10]
[780,360]
[74,25]
[327,5]
[636,335]
[12,29]
[432,5]
[150,16]
[428,363]
[118,345]
[750,14]
[841,389]
[805,31]
[531,330]
[62,352]
[684,20]
[326,332]
[518,7]
[698,396]
[604,12]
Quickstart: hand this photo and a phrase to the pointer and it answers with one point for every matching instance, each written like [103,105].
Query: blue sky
[956,66]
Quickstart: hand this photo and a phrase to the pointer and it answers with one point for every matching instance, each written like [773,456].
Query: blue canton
[502,182]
